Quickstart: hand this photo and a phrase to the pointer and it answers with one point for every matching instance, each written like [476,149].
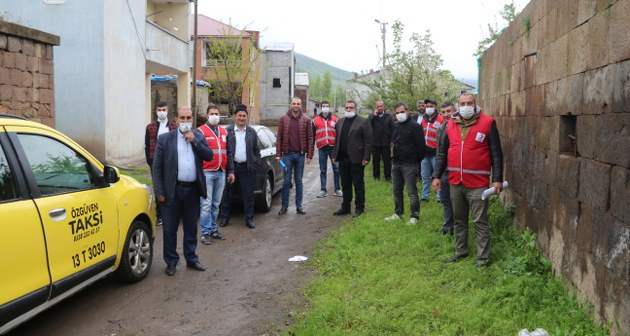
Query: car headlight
[150,192]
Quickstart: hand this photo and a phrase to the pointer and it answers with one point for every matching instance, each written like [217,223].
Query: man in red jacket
[324,134]
[471,151]
[294,145]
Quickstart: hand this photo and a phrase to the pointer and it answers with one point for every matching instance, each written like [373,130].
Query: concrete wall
[27,73]
[275,101]
[559,88]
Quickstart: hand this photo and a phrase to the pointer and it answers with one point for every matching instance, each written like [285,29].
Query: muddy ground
[249,287]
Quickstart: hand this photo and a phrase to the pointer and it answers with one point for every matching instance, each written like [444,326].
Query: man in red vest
[324,134]
[215,175]
[430,122]
[471,151]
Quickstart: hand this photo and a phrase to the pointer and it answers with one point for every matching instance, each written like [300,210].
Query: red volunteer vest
[324,131]
[218,146]
[431,129]
[469,159]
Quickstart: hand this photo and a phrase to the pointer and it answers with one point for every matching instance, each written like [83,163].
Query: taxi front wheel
[137,254]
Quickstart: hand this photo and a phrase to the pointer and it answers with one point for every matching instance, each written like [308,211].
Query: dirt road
[249,286]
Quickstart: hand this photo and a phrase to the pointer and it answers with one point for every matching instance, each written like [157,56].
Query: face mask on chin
[350,114]
[185,127]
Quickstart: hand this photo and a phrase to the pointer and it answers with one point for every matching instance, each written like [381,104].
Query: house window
[276,83]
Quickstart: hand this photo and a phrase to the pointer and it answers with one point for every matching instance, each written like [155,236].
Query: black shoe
[217,235]
[282,211]
[300,211]
[439,201]
[170,270]
[224,222]
[425,200]
[455,258]
[483,263]
[341,212]
[444,232]
[158,222]
[196,266]
[250,224]
[357,213]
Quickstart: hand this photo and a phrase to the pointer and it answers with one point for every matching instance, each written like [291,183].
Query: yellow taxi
[66,220]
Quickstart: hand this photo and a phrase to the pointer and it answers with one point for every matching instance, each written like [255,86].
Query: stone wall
[27,73]
[558,84]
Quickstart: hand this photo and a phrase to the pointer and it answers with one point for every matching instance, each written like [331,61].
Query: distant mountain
[471,82]
[315,68]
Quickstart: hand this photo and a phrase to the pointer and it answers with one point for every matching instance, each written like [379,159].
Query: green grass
[383,278]
[143,175]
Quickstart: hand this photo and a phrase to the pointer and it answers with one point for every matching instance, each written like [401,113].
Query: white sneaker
[413,221]
[338,193]
[322,194]
[392,218]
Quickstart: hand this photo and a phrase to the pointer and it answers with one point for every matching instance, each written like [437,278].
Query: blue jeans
[405,175]
[324,155]
[185,207]
[215,182]
[427,166]
[295,169]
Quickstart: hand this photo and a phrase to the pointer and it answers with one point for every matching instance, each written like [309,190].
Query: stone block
[565,211]
[32,64]
[16,77]
[598,91]
[586,10]
[621,86]
[47,67]
[8,59]
[599,41]
[575,96]
[49,52]
[3,42]
[46,96]
[578,49]
[567,19]
[594,187]
[19,94]
[27,79]
[559,58]
[617,304]
[556,93]
[604,138]
[551,19]
[6,92]
[4,76]
[586,229]
[51,82]
[20,62]
[28,48]
[619,31]
[620,194]
[567,175]
[40,50]
[618,248]
[14,44]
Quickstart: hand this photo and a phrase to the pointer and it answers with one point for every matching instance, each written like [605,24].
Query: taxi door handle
[57,214]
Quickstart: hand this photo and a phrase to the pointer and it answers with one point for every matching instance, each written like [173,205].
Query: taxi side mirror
[112,175]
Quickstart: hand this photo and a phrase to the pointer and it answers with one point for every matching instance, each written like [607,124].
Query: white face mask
[466,112]
[214,120]
[325,110]
[162,115]
[401,117]
[430,111]
[350,114]
[185,127]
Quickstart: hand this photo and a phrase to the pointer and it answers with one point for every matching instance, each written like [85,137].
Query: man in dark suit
[352,151]
[178,181]
[382,129]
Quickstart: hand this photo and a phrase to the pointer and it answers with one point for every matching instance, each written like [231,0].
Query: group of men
[190,168]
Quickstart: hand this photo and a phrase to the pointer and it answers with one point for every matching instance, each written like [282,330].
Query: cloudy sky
[343,33]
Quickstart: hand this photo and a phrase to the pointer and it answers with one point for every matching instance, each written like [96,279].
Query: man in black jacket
[382,125]
[408,149]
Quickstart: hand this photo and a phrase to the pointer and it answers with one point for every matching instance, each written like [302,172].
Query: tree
[411,74]
[231,62]
[508,14]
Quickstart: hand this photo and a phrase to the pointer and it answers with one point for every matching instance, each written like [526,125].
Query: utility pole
[193,105]
[383,31]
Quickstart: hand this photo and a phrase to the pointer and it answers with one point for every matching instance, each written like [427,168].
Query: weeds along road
[249,286]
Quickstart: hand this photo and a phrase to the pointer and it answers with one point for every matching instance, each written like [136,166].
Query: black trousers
[246,181]
[351,175]
[381,153]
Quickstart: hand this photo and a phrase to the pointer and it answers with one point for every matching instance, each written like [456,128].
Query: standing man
[382,125]
[408,150]
[352,151]
[324,134]
[154,129]
[448,108]
[178,181]
[215,175]
[243,155]
[431,122]
[420,110]
[294,144]
[471,151]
